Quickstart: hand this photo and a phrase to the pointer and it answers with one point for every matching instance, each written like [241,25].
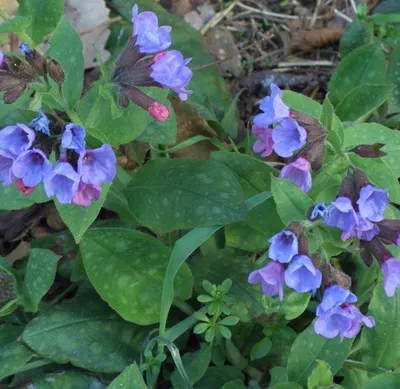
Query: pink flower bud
[158,56]
[26,190]
[158,111]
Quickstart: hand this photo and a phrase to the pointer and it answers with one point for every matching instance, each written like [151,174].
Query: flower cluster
[145,62]
[76,176]
[359,212]
[279,129]
[290,264]
[337,315]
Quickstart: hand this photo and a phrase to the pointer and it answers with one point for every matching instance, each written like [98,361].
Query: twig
[353,4]
[305,63]
[315,14]
[217,18]
[342,15]
[266,13]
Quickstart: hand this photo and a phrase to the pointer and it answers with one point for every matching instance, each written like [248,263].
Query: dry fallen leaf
[90,19]
[306,39]
[21,251]
[9,6]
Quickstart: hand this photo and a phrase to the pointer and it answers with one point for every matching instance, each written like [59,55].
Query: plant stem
[361,366]
[34,365]
[183,306]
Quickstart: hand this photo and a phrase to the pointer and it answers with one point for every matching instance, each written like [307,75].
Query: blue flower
[97,166]
[41,123]
[288,137]
[302,276]
[373,202]
[270,277]
[24,48]
[32,166]
[274,109]
[171,72]
[391,275]
[86,193]
[284,246]
[364,230]
[149,37]
[17,138]
[341,214]
[299,172]
[6,162]
[62,182]
[73,137]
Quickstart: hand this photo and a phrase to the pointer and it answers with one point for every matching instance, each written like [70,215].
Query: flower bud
[389,230]
[369,151]
[56,72]
[26,190]
[376,248]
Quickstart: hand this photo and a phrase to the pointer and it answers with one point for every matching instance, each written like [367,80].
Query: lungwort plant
[230,272]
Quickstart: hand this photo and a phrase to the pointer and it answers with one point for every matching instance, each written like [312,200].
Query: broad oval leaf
[310,347]
[217,376]
[357,34]
[384,381]
[67,380]
[355,71]
[287,385]
[86,333]
[380,345]
[13,199]
[393,77]
[130,378]
[167,194]
[127,269]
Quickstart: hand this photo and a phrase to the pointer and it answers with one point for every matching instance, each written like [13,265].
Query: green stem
[361,366]
[183,306]
[364,297]
[34,365]
[63,294]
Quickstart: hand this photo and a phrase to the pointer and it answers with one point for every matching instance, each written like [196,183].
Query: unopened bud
[331,275]
[13,94]
[38,62]
[26,190]
[25,49]
[56,72]
[159,111]
[123,100]
[389,230]
[369,151]
[374,248]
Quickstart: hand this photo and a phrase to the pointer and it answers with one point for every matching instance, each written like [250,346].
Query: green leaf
[8,291]
[66,48]
[260,349]
[67,380]
[321,376]
[287,385]
[354,378]
[64,333]
[13,199]
[380,345]
[386,381]
[292,204]
[379,173]
[45,16]
[130,378]
[236,384]
[195,364]
[393,77]
[229,122]
[310,347]
[229,321]
[78,218]
[161,132]
[365,65]
[362,100]
[294,304]
[183,248]
[40,274]
[16,24]
[356,34]
[278,375]
[302,103]
[13,354]
[215,377]
[127,268]
[167,194]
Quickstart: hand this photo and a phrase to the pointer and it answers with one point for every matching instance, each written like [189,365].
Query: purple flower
[26,190]
[302,276]
[284,246]
[271,279]
[319,210]
[345,320]
[6,162]
[391,275]
[334,297]
[364,230]
[32,166]
[273,107]
[16,138]
[24,48]
[341,214]
[288,137]
[264,144]
[299,173]
[158,111]
[86,193]
[2,57]
[373,202]
[41,123]
[62,182]
[170,71]
[390,230]
[73,137]
[149,37]
[97,166]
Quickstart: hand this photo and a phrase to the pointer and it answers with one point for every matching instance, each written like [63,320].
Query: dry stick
[353,4]
[305,63]
[315,14]
[216,19]
[342,15]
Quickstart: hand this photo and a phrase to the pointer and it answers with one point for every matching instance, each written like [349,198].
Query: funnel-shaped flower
[299,173]
[284,246]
